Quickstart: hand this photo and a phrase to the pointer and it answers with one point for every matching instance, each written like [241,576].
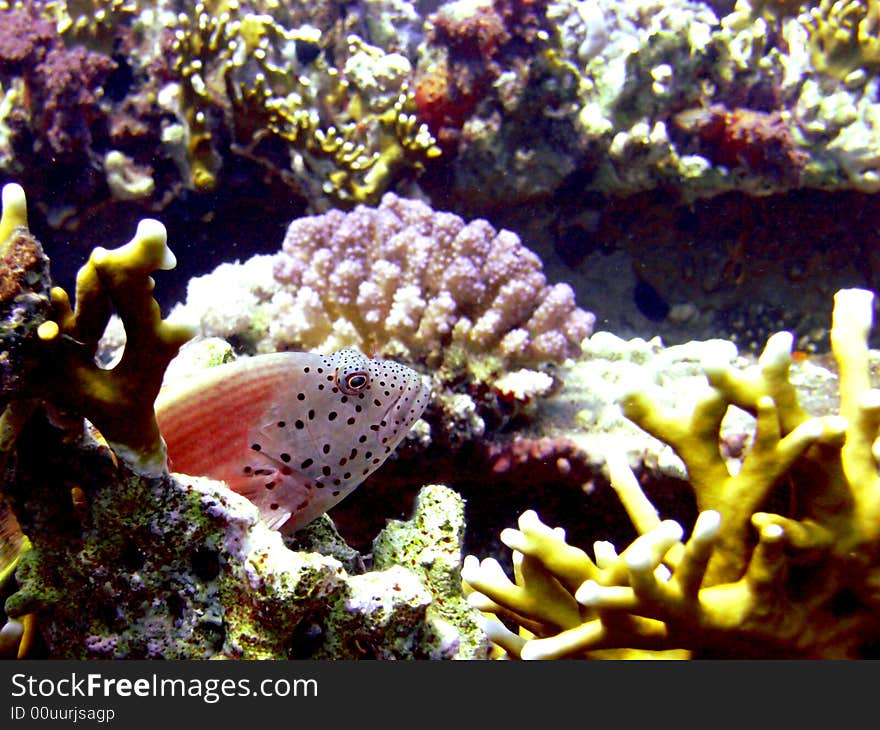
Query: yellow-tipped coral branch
[745,582]
[118,401]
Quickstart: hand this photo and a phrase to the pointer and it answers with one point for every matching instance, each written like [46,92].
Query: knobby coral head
[406,279]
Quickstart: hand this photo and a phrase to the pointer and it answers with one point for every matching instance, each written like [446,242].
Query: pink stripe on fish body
[205,421]
[293,432]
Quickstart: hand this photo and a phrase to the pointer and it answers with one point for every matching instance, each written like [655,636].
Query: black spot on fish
[285,457]
[306,464]
[274,505]
[281,424]
[299,424]
[332,416]
[326,448]
[270,485]
[326,471]
[256,447]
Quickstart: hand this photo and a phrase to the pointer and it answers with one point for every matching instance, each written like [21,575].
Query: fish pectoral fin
[278,496]
[275,520]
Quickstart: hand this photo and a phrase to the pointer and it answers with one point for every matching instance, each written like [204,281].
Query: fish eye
[356,381]
[353,383]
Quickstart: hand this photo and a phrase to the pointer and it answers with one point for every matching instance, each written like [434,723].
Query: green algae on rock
[429,544]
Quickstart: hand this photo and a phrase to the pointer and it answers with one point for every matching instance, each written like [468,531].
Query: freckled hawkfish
[294,432]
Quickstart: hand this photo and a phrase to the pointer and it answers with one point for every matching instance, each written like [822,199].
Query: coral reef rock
[175,568]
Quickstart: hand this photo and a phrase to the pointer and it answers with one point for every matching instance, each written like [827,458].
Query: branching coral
[799,583]
[119,402]
[843,36]
[351,126]
[329,115]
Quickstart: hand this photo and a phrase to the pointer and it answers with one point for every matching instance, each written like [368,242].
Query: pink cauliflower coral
[405,279]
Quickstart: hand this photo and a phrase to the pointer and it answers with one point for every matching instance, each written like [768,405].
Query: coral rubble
[759,575]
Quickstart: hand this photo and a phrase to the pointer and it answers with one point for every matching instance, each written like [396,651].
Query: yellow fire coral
[745,582]
[353,125]
[844,36]
[119,401]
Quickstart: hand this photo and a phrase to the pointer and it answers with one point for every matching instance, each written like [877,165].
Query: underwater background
[585,228]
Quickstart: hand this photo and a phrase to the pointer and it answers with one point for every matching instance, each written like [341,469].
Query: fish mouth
[420,388]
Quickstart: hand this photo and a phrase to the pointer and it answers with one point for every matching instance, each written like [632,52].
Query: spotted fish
[294,432]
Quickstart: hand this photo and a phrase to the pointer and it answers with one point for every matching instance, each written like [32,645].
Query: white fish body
[294,432]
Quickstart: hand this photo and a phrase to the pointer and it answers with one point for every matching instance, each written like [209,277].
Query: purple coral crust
[69,91]
[24,41]
[424,280]
[63,85]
